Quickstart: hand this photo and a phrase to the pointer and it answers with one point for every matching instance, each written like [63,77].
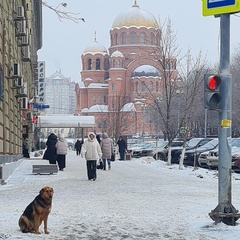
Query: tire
[160,156]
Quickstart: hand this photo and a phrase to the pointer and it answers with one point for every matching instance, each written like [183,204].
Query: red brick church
[118,81]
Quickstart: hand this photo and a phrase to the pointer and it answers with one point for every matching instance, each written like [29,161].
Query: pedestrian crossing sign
[218,7]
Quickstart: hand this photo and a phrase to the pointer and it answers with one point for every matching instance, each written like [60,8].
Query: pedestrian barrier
[45,169]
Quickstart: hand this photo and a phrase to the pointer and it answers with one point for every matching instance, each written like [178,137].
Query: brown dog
[36,212]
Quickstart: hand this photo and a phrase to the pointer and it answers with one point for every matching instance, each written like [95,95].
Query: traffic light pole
[225,211]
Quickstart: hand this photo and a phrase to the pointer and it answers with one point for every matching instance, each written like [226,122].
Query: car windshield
[193,142]
[235,142]
[212,143]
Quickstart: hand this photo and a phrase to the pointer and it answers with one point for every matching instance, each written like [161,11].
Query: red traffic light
[213,82]
[212,96]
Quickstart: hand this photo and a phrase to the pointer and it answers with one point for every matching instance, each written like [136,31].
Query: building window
[137,87]
[105,99]
[157,87]
[133,37]
[89,64]
[94,99]
[118,63]
[142,38]
[99,124]
[124,38]
[113,105]
[104,124]
[113,87]
[143,87]
[98,66]
[152,39]
[106,64]
[116,39]
[151,86]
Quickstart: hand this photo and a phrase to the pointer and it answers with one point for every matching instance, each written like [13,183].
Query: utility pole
[225,211]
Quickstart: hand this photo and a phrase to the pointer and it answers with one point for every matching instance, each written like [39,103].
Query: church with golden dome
[118,82]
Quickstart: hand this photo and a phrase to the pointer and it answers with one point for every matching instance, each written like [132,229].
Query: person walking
[92,152]
[50,153]
[26,148]
[121,147]
[107,150]
[78,146]
[61,147]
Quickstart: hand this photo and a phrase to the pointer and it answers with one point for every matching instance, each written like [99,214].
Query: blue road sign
[218,7]
[220,3]
[39,106]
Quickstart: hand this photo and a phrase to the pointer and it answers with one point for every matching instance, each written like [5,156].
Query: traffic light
[212,97]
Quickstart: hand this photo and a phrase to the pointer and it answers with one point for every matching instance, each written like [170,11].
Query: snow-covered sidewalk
[137,199]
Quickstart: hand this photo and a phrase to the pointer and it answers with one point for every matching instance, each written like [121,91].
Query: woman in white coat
[92,152]
[61,147]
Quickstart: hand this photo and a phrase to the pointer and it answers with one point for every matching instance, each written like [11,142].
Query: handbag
[100,165]
[113,157]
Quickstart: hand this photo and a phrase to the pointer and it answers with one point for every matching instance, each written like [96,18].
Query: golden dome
[135,17]
[95,47]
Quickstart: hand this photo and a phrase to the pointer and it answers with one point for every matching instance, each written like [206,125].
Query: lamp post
[144,106]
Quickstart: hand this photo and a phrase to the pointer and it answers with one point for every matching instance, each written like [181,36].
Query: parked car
[191,155]
[193,143]
[212,157]
[145,149]
[161,152]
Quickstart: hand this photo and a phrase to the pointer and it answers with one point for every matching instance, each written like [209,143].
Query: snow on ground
[137,199]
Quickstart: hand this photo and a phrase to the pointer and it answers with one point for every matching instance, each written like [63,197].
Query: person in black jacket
[50,153]
[122,147]
[78,146]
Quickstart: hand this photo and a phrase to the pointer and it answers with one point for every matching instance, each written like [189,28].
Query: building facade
[119,83]
[20,39]
[59,94]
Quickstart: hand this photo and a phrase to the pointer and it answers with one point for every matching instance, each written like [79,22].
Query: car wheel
[160,156]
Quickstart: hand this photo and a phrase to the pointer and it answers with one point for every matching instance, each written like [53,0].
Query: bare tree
[119,118]
[191,73]
[235,71]
[182,91]
[64,14]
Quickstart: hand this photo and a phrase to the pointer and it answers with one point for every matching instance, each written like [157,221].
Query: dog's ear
[41,191]
[52,189]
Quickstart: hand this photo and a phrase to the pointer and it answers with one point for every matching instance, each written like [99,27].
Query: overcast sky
[64,42]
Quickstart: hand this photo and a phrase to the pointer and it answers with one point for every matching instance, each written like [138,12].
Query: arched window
[142,38]
[113,105]
[157,87]
[98,65]
[99,123]
[116,39]
[151,86]
[152,39]
[113,87]
[143,87]
[104,124]
[89,64]
[137,87]
[118,63]
[106,64]
[133,37]
[124,38]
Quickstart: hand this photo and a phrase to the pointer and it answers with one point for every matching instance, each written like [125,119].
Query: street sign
[39,106]
[218,7]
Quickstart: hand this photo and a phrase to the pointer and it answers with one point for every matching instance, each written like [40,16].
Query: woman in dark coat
[78,146]
[50,153]
[121,147]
